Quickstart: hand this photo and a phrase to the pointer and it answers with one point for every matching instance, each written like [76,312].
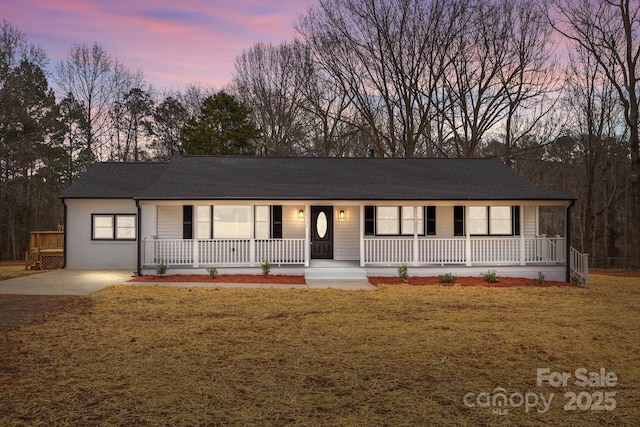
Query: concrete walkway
[85,282]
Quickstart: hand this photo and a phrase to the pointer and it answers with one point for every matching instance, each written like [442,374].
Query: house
[315,216]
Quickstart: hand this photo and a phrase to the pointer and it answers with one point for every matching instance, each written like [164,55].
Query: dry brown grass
[402,355]
[12,269]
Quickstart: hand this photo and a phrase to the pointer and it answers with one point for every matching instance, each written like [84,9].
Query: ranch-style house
[326,218]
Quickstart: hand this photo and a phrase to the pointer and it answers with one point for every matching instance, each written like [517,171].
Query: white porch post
[252,237]
[307,236]
[523,260]
[415,235]
[467,247]
[196,248]
[361,235]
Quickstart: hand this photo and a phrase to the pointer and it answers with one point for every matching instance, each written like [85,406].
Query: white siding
[346,234]
[292,227]
[84,253]
[169,222]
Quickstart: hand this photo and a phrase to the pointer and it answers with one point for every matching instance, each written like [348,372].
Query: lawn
[400,355]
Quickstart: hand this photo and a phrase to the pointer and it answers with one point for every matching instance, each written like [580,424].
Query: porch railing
[482,250]
[579,265]
[222,252]
[376,251]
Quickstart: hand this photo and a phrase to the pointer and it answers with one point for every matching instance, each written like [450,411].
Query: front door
[322,232]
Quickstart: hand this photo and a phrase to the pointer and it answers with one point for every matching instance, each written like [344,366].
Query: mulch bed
[225,278]
[503,282]
[299,280]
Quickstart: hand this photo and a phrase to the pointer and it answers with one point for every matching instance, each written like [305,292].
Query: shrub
[213,272]
[161,269]
[490,276]
[447,278]
[403,272]
[266,267]
[540,277]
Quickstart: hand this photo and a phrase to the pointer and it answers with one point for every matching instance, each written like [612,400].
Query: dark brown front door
[322,232]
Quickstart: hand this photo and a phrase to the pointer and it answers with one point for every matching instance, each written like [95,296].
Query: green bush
[447,278]
[266,267]
[213,272]
[161,269]
[490,276]
[540,277]
[403,272]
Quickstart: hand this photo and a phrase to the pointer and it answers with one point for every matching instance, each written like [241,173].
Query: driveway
[64,282]
[85,282]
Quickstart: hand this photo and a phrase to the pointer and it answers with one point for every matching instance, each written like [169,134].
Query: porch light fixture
[341,216]
[300,215]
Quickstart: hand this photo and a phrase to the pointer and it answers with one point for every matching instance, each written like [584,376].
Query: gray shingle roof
[114,180]
[309,178]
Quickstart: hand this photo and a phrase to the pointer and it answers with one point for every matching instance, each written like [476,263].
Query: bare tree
[271,79]
[383,55]
[86,75]
[500,71]
[592,103]
[610,31]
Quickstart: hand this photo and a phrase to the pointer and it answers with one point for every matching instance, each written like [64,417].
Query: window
[231,222]
[478,220]
[262,222]
[125,227]
[203,218]
[500,220]
[407,220]
[494,220]
[387,220]
[113,227]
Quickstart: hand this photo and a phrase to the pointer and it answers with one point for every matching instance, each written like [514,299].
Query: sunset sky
[173,43]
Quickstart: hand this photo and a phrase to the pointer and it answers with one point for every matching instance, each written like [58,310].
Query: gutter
[138,239]
[64,235]
[568,245]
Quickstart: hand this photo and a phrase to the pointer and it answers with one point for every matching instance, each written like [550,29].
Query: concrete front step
[342,274]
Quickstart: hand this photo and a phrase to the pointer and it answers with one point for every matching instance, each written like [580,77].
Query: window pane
[204,221]
[478,220]
[231,222]
[103,227]
[500,219]
[407,220]
[262,222]
[125,227]
[262,213]
[387,220]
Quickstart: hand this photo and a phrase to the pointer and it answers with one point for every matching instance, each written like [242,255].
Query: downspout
[64,235]
[138,239]
[568,240]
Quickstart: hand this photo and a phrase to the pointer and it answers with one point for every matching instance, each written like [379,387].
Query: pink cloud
[173,43]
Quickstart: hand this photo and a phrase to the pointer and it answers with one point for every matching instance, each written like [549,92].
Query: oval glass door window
[321,225]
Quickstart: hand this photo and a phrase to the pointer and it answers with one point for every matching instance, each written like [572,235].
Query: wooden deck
[46,250]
